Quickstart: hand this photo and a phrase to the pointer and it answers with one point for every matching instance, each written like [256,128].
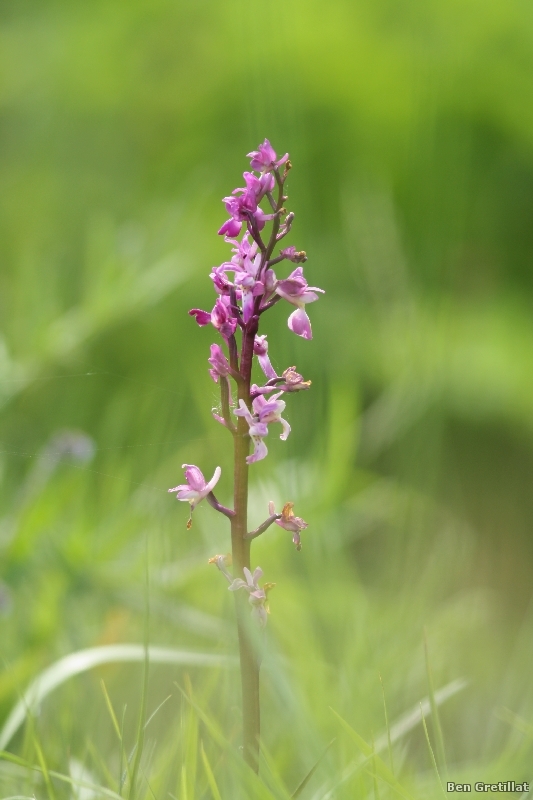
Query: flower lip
[300,324]
[231,227]
[202,317]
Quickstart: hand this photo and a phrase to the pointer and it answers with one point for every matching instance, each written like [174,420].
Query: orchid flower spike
[289,522]
[196,487]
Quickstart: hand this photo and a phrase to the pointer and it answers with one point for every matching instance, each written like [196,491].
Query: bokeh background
[410,128]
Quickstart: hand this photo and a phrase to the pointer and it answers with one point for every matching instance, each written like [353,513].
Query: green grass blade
[99,762]
[103,790]
[123,771]
[145,776]
[250,781]
[44,770]
[211,726]
[303,783]
[119,732]
[435,718]
[369,754]
[21,762]
[275,781]
[111,710]
[387,726]
[139,744]
[84,660]
[515,721]
[403,725]
[159,707]
[209,773]
[183,783]
[432,754]
[191,743]
[374,772]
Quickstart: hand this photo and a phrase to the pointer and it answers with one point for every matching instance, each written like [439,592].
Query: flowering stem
[237,377]
[276,222]
[263,527]
[247,354]
[254,230]
[276,260]
[270,303]
[240,542]
[233,355]
[224,400]
[213,502]
[240,547]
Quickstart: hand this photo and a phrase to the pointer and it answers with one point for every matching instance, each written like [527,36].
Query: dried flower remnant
[222,563]
[294,382]
[297,257]
[289,522]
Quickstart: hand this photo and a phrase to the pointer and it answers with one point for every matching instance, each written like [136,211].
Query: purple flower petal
[231,227]
[237,584]
[202,317]
[194,477]
[260,451]
[219,362]
[298,322]
[264,158]
[261,350]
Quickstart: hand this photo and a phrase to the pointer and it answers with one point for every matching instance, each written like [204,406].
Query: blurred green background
[410,128]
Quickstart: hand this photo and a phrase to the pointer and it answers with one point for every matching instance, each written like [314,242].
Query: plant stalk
[249,658]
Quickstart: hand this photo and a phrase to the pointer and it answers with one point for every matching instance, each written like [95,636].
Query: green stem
[249,660]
